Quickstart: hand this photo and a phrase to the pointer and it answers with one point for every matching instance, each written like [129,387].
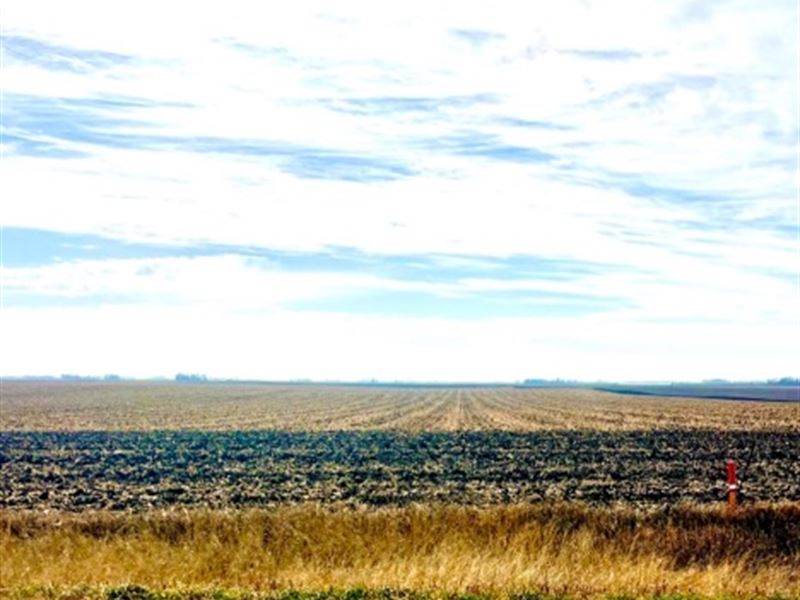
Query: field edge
[138,592]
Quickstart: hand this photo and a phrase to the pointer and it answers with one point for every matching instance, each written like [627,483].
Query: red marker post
[733,483]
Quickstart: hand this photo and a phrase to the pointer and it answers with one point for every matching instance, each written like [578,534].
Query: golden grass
[557,549]
[126,406]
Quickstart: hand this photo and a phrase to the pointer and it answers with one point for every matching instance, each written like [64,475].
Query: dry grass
[147,406]
[557,549]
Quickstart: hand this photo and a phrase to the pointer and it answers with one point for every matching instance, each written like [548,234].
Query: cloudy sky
[405,190]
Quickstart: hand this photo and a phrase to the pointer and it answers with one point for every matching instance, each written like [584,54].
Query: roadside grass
[135,592]
[446,552]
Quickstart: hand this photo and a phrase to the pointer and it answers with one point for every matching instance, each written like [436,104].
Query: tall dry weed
[568,548]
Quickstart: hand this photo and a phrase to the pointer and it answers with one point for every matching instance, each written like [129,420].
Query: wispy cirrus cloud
[55,127]
[476,37]
[488,163]
[24,50]
[604,54]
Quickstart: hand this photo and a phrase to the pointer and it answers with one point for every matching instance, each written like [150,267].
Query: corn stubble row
[30,406]
[141,470]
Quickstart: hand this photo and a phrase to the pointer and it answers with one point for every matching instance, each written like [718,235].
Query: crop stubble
[138,445]
[139,470]
[366,468]
[228,407]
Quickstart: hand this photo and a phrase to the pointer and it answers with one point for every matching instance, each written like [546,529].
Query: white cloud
[144,341]
[229,281]
[671,135]
[233,283]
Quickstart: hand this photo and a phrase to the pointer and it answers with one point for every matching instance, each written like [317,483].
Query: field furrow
[30,406]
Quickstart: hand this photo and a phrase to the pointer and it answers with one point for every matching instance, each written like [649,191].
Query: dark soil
[76,471]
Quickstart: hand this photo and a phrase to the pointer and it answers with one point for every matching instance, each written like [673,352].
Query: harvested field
[732,391]
[557,550]
[377,493]
[76,406]
[136,470]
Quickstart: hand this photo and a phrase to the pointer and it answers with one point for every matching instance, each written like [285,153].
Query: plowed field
[229,407]
[78,470]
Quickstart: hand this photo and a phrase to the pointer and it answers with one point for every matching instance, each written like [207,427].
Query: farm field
[134,491]
[140,470]
[45,406]
[732,391]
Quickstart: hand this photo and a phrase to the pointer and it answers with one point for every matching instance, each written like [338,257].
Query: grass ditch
[135,592]
[565,550]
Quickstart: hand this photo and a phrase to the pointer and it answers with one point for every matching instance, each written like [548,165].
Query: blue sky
[428,191]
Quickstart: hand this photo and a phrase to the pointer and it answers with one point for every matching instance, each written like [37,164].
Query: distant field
[76,406]
[733,391]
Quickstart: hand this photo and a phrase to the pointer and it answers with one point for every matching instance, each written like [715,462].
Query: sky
[428,191]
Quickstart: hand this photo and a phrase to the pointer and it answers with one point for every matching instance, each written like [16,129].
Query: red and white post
[733,484]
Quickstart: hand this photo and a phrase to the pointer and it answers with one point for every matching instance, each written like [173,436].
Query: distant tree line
[191,378]
[551,382]
[70,377]
[785,381]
